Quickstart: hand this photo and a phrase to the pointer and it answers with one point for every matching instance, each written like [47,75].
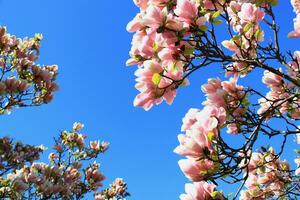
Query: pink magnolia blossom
[224,94]
[271,79]
[193,143]
[210,118]
[232,128]
[153,86]
[166,39]
[293,68]
[296,6]
[186,10]
[201,127]
[231,45]
[267,176]
[189,146]
[212,86]
[143,43]
[189,119]
[154,17]
[95,145]
[232,88]
[212,4]
[135,24]
[196,170]
[198,191]
[77,126]
[250,13]
[279,92]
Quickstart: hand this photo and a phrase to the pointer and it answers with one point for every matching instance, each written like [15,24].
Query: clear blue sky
[88,40]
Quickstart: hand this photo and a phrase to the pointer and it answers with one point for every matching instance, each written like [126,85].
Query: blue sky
[89,42]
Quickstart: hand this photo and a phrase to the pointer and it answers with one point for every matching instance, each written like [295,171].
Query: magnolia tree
[175,38]
[72,171]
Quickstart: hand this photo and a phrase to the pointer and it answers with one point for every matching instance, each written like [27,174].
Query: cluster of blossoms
[159,48]
[198,146]
[230,96]
[67,175]
[117,190]
[244,19]
[163,45]
[174,38]
[268,177]
[70,172]
[16,155]
[200,190]
[202,128]
[23,82]
[283,95]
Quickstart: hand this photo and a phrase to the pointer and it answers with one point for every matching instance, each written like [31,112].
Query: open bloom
[155,84]
[198,191]
[196,170]
[186,10]
[250,13]
[154,17]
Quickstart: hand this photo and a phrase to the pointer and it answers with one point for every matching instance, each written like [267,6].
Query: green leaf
[258,33]
[236,38]
[297,151]
[246,102]
[217,22]
[274,2]
[203,28]
[188,51]
[155,46]
[229,195]
[156,78]
[211,136]
[247,28]
[259,2]
[216,14]
[214,194]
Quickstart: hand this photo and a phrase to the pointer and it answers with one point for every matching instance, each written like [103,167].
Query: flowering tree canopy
[23,82]
[173,39]
[70,174]
[72,170]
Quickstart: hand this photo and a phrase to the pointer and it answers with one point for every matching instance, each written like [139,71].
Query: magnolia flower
[189,119]
[187,10]
[154,17]
[196,170]
[77,126]
[199,191]
[52,156]
[250,13]
[271,79]
[153,87]
[95,145]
